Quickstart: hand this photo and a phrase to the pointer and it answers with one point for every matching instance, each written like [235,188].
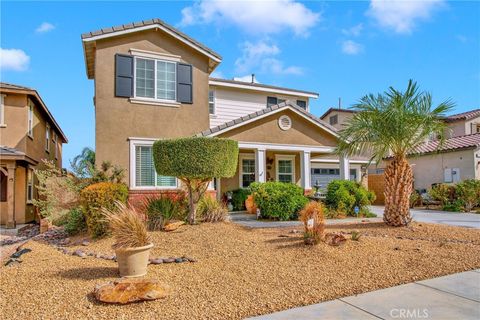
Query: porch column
[11,223]
[305,170]
[260,172]
[344,168]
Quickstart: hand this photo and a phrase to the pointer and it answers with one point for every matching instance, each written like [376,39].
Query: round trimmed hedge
[196,158]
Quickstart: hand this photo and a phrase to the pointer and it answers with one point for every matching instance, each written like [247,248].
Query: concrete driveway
[469,220]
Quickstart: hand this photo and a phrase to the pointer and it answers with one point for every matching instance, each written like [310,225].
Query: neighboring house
[337,117]
[28,134]
[463,123]
[153,82]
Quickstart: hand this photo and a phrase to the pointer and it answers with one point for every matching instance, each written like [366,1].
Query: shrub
[75,221]
[160,210]
[313,222]
[211,210]
[344,195]
[278,200]
[127,226]
[453,206]
[414,198]
[196,161]
[442,192]
[356,235]
[239,196]
[468,191]
[97,196]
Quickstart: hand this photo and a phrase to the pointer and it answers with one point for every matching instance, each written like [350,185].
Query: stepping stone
[130,290]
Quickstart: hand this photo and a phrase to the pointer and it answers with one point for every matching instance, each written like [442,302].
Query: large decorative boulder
[124,291]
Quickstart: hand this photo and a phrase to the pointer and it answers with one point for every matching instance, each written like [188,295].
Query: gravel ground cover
[239,272]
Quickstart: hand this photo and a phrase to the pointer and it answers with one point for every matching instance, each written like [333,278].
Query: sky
[340,49]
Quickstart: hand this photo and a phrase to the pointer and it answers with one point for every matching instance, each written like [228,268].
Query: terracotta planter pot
[132,262]
[250,205]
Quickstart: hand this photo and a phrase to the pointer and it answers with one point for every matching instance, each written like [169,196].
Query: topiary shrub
[196,161]
[278,200]
[97,196]
[344,195]
[238,199]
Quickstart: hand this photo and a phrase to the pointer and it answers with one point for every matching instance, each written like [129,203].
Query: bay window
[155,79]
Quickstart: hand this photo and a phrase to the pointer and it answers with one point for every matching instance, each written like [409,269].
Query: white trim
[155,55]
[2,110]
[132,166]
[338,161]
[260,165]
[281,125]
[153,26]
[248,86]
[287,107]
[155,102]
[285,157]
[284,147]
[305,170]
[241,157]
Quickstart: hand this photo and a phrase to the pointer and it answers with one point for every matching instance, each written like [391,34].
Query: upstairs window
[211,101]
[47,138]
[302,104]
[333,120]
[271,101]
[155,79]
[2,110]
[55,144]
[30,120]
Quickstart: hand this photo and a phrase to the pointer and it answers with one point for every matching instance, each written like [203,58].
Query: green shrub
[453,206]
[278,200]
[468,191]
[238,198]
[75,221]
[160,210]
[97,196]
[443,193]
[211,210]
[414,198]
[344,195]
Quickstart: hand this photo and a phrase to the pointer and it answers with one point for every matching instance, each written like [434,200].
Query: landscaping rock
[335,239]
[85,243]
[169,260]
[173,226]
[156,261]
[179,260]
[130,290]
[79,253]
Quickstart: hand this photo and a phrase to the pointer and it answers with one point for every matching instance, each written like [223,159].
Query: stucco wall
[460,128]
[22,215]
[117,119]
[342,118]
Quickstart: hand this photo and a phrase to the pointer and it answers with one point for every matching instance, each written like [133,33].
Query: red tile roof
[456,143]
[463,116]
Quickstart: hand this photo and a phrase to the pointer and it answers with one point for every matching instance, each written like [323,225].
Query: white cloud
[353,31]
[264,17]
[402,16]
[13,59]
[45,27]
[261,57]
[351,47]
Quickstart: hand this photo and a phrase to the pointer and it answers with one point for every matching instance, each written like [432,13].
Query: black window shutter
[123,75]
[184,83]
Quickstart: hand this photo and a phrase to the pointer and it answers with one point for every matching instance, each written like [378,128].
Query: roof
[337,110]
[8,153]
[470,141]
[90,37]
[5,87]
[266,112]
[463,116]
[261,87]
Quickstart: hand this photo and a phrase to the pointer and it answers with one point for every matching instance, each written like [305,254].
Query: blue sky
[339,49]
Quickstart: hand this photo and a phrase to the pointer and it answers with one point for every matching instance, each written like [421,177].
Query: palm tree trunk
[398,187]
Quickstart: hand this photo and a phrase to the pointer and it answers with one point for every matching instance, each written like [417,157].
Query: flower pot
[250,205]
[132,262]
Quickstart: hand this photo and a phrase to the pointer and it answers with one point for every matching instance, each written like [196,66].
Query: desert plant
[98,196]
[391,126]
[128,228]
[414,198]
[75,221]
[211,210]
[238,198]
[355,235]
[313,222]
[108,173]
[278,200]
[468,192]
[441,192]
[344,195]
[160,210]
[196,161]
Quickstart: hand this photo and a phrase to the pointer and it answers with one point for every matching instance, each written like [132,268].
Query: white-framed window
[285,167]
[2,110]
[30,119]
[29,185]
[47,138]
[55,144]
[211,101]
[144,175]
[246,169]
[155,79]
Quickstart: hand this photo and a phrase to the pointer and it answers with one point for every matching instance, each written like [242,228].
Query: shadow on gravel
[90,273]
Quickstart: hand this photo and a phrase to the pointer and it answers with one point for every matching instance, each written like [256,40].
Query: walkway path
[455,296]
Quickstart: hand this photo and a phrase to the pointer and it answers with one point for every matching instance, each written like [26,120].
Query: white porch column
[260,162]
[305,170]
[344,168]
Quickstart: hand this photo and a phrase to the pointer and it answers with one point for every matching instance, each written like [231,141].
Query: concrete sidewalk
[456,296]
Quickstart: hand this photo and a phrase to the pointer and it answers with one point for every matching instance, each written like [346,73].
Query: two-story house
[28,135]
[153,82]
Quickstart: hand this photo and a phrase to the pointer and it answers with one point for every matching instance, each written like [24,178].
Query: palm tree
[83,165]
[388,127]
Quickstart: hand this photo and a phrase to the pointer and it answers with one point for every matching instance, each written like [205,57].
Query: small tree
[196,161]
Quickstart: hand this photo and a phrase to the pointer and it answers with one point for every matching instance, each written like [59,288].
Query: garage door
[322,176]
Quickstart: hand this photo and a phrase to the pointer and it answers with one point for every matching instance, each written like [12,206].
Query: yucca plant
[127,227]
[390,126]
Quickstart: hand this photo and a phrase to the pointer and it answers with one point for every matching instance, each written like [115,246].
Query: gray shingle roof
[254,115]
[452,144]
[260,86]
[6,151]
[463,116]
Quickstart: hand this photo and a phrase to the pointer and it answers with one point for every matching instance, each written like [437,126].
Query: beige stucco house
[153,82]
[28,135]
